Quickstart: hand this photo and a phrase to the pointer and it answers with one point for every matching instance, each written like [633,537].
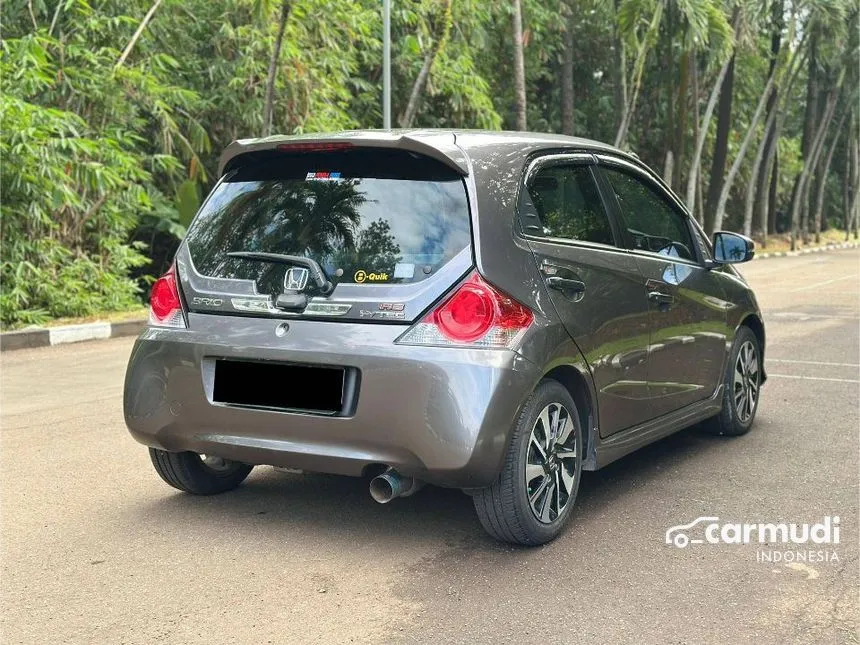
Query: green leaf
[187,201]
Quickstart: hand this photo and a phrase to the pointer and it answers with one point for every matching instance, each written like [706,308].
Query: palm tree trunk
[702,133]
[567,113]
[620,85]
[772,194]
[852,216]
[762,187]
[669,137]
[519,68]
[810,119]
[801,192]
[696,212]
[776,113]
[687,62]
[772,163]
[811,159]
[721,148]
[764,178]
[847,180]
[408,115]
[822,184]
[812,177]
[669,167]
[771,173]
[638,69]
[751,187]
[268,106]
[420,84]
[733,171]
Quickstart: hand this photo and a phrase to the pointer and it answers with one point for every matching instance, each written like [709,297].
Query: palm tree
[315,218]
[321,216]
[705,26]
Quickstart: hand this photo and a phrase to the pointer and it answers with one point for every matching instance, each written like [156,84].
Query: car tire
[741,387]
[198,474]
[514,508]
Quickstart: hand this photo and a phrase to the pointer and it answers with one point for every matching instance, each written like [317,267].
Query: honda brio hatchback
[494,312]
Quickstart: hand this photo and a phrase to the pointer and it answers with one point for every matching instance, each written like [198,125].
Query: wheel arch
[755,324]
[576,383]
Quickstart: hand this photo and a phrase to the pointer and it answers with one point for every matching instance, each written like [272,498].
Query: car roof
[455,148]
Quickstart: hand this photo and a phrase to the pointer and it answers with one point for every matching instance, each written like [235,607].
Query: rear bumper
[440,414]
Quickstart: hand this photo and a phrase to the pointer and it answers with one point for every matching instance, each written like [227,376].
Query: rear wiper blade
[316,271]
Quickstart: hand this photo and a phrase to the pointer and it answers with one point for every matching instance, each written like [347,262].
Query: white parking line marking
[799,315]
[821,284]
[815,378]
[788,360]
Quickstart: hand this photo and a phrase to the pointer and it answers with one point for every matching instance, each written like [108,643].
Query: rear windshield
[370,217]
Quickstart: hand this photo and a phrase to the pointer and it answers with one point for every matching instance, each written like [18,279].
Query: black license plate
[281,386]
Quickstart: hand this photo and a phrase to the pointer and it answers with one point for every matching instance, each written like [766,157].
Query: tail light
[165,307]
[475,315]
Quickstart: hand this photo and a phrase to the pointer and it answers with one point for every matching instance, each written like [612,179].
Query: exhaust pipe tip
[384,488]
[391,484]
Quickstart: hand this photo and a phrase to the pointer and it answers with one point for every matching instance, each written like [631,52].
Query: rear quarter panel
[507,261]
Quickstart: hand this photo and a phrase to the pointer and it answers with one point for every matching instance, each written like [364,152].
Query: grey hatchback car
[490,311]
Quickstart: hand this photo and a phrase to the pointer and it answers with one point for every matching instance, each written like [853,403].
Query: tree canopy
[114,113]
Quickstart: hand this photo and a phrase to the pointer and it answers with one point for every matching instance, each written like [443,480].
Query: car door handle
[661,298]
[565,284]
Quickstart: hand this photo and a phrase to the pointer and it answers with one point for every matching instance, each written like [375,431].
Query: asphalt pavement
[96,549]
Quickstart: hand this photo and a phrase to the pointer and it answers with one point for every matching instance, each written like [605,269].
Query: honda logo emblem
[296,279]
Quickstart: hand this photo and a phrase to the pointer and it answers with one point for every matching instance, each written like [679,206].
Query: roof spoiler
[437,145]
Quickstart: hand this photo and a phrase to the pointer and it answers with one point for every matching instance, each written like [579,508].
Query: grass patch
[105,316]
[782,242]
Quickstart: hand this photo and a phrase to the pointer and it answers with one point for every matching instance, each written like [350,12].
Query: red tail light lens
[165,307]
[476,314]
[468,314]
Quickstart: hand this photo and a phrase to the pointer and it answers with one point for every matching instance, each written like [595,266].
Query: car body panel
[438,413]
[609,321]
[687,349]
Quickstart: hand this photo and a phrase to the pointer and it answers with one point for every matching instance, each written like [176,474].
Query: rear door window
[366,216]
[567,204]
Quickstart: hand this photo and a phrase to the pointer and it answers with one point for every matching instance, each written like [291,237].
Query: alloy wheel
[551,463]
[746,382]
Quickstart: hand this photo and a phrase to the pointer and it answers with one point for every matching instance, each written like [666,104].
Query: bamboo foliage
[113,114]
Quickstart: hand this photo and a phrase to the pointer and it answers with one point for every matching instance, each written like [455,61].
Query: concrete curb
[48,336]
[815,249]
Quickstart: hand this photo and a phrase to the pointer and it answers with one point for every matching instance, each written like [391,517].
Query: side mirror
[732,248]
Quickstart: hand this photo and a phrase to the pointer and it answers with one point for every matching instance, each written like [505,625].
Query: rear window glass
[370,217]
[568,205]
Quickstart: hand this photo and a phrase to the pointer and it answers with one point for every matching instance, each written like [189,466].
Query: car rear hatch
[328,231]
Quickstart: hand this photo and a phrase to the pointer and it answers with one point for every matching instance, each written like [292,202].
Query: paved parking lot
[96,549]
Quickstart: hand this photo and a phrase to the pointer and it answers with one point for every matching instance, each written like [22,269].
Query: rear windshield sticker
[322,176]
[404,270]
[363,276]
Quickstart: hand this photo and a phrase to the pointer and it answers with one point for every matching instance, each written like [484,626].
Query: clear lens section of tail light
[475,315]
[165,307]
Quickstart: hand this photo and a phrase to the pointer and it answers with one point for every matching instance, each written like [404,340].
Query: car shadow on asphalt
[334,508]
